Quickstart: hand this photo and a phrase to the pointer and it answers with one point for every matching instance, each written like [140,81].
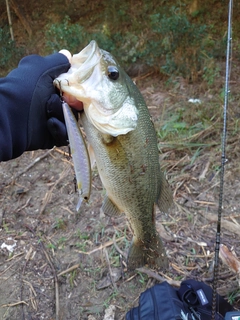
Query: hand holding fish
[31,114]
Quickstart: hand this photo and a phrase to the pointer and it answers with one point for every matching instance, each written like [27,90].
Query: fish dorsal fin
[165,199]
[109,208]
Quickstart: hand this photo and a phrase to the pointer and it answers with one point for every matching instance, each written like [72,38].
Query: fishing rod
[235,315]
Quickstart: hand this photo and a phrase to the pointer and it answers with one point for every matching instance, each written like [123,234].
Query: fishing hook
[60,88]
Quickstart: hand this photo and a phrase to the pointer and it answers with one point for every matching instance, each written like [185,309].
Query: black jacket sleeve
[30,110]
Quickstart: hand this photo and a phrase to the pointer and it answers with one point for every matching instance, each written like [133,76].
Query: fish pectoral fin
[109,208]
[165,199]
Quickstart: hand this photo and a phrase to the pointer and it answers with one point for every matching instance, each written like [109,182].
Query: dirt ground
[55,263]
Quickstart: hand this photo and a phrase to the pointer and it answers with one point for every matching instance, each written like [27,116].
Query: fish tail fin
[149,253]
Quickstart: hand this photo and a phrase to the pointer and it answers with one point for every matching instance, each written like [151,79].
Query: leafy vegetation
[170,43]
[9,52]
[64,35]
[189,126]
[174,38]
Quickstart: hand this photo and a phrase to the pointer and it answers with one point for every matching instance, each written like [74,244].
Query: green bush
[10,54]
[180,42]
[74,37]
[168,42]
[65,35]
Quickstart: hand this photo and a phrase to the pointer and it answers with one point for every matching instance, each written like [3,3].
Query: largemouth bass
[118,126]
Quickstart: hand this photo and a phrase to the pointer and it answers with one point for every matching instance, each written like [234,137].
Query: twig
[21,291]
[22,16]
[54,274]
[177,163]
[175,267]
[143,76]
[117,248]
[48,195]
[15,256]
[68,210]
[24,206]
[69,269]
[198,134]
[14,304]
[156,276]
[212,186]
[55,280]
[9,20]
[30,166]
[66,154]
[32,291]
[8,268]
[2,214]
[204,172]
[110,269]
[208,203]
[30,285]
[132,277]
[102,246]
[230,226]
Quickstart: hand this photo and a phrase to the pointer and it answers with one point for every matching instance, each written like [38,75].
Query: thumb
[55,64]
[67,54]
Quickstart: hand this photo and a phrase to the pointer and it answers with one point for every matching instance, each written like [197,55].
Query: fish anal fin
[109,208]
[151,253]
[165,199]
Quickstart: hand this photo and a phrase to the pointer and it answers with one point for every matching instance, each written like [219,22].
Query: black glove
[56,122]
[31,114]
[46,122]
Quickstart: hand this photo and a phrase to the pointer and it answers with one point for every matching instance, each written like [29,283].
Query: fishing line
[223,160]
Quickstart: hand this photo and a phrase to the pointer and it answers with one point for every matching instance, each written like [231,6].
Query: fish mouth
[87,59]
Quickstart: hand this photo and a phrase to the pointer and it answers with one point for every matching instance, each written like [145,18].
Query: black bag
[192,301]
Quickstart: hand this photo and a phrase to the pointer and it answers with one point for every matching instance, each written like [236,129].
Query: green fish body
[127,161]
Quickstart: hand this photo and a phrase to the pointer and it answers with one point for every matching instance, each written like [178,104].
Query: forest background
[176,38]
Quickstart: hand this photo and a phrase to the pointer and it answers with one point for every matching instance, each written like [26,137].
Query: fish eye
[113,73]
